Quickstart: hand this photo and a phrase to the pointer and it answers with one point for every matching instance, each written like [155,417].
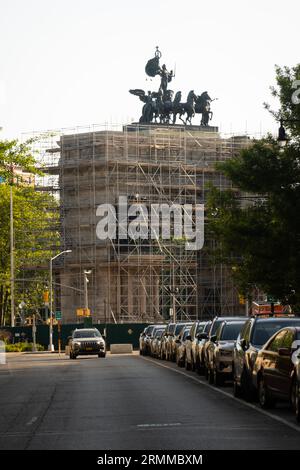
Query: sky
[68,63]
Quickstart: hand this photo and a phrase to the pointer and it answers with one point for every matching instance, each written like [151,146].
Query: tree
[261,238]
[16,154]
[35,229]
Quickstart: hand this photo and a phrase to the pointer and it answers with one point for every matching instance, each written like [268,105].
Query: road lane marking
[229,395]
[158,425]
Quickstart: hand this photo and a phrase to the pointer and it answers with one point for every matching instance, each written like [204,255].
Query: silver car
[225,339]
[155,341]
[86,341]
[181,344]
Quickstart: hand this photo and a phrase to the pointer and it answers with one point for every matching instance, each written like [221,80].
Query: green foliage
[36,223]
[22,347]
[15,154]
[257,225]
[285,77]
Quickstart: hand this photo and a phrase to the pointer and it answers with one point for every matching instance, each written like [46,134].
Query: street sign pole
[59,336]
[34,333]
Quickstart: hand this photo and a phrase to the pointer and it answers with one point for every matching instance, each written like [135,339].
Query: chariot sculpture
[163,106]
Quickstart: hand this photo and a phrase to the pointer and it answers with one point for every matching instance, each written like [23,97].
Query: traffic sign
[271,299]
[58,315]
[83,312]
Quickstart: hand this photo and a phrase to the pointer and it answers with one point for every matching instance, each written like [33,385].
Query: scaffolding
[135,280]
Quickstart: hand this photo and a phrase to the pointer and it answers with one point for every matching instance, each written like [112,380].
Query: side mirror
[188,338]
[69,338]
[177,341]
[213,338]
[243,343]
[104,337]
[202,336]
[286,352]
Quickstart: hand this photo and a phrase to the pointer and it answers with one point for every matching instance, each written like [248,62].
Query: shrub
[23,347]
[5,336]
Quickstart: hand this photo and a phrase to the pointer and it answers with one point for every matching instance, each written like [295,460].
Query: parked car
[171,344]
[255,333]
[276,372]
[202,338]
[144,340]
[197,328]
[86,341]
[209,344]
[165,340]
[225,339]
[181,346]
[155,340]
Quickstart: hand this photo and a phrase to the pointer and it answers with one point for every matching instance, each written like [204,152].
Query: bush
[23,347]
[5,336]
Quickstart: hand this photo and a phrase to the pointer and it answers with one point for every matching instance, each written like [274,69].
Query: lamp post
[51,347]
[85,282]
[282,137]
[12,260]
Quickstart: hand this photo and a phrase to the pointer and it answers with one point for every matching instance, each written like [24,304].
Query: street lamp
[85,281]
[51,347]
[282,137]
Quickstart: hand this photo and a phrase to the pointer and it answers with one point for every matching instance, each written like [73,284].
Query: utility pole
[33,333]
[85,287]
[12,261]
[51,347]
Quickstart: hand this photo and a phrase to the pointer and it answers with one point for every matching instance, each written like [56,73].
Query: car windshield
[200,328]
[149,330]
[179,328]
[87,334]
[158,332]
[171,328]
[215,326]
[264,329]
[231,331]
[185,334]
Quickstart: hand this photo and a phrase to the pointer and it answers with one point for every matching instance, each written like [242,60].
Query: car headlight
[76,343]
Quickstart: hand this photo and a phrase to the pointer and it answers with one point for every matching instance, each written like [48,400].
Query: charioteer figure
[166,78]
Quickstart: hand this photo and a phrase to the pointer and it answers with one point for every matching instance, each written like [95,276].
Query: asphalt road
[128,402]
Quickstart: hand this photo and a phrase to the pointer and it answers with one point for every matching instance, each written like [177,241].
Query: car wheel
[237,390]
[295,398]
[247,388]
[218,378]
[210,376]
[265,400]
[187,364]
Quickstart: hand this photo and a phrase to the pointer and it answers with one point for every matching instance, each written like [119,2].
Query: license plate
[89,349]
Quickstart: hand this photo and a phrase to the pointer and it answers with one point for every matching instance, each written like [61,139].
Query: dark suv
[255,333]
[209,345]
[86,341]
